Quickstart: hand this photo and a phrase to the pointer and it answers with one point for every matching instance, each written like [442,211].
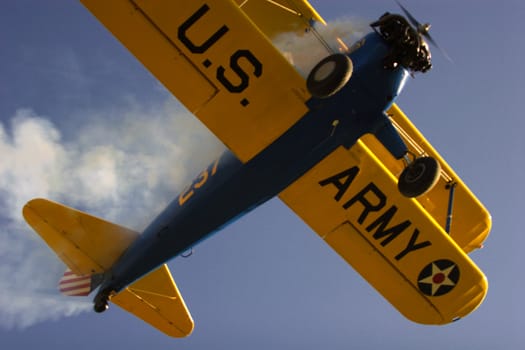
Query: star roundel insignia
[438,278]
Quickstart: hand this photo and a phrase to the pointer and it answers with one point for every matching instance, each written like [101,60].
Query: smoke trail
[124,169]
[123,165]
[304,51]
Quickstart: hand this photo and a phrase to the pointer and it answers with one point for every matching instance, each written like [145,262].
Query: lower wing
[399,245]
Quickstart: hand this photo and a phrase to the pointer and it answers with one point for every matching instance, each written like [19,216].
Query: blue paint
[237,188]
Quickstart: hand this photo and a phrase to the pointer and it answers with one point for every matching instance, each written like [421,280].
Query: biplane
[332,145]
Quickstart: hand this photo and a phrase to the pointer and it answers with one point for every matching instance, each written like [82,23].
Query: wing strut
[448,225]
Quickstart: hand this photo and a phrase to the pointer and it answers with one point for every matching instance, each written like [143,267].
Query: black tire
[100,303]
[100,307]
[329,76]
[419,177]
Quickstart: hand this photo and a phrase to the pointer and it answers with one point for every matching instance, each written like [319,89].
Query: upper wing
[397,244]
[275,17]
[213,58]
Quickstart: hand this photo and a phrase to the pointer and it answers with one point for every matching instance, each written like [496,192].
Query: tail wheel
[101,306]
[329,76]
[100,303]
[419,177]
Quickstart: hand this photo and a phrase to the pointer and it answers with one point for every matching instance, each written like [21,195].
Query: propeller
[423,29]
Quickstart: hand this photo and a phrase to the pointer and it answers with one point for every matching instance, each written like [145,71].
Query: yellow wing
[397,244]
[351,200]
[216,62]
[471,222]
[275,17]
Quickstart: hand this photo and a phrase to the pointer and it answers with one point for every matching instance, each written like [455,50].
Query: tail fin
[89,246]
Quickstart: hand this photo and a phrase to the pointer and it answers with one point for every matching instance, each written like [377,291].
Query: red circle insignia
[438,278]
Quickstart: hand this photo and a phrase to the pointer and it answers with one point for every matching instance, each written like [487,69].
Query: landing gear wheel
[329,76]
[100,303]
[419,177]
[100,307]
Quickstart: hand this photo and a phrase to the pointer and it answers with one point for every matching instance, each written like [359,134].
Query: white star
[439,278]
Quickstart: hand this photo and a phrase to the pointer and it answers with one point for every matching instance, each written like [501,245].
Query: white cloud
[123,165]
[32,149]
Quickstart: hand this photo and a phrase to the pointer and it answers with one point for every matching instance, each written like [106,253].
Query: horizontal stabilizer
[86,244]
[156,300]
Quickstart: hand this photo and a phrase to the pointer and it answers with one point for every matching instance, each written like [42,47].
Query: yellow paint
[185,195]
[240,86]
[215,166]
[86,244]
[156,300]
[89,245]
[201,180]
[471,222]
[282,16]
[339,211]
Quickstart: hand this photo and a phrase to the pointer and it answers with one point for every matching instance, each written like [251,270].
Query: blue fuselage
[228,188]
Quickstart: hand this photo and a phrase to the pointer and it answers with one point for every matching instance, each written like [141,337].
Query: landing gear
[101,307]
[329,76]
[101,301]
[419,177]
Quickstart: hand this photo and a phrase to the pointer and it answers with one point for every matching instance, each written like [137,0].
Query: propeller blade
[411,18]
[423,30]
[435,44]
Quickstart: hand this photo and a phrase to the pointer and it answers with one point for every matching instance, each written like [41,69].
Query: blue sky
[83,122]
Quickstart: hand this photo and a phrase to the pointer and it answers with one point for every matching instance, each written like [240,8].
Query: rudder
[73,285]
